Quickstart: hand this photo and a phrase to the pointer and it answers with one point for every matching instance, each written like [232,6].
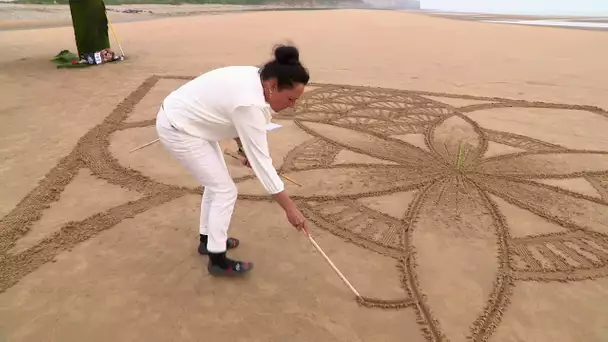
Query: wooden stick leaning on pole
[237,158]
[312,241]
[114,34]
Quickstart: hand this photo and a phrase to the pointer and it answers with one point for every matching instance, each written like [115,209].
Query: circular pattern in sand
[461,259]
[393,171]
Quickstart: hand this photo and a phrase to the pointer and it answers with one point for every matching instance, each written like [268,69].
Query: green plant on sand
[66,59]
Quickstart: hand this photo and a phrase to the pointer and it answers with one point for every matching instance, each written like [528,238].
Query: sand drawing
[458,190]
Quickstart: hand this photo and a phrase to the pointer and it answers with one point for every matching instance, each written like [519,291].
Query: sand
[455,171]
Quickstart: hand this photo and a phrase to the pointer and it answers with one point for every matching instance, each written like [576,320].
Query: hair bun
[287,55]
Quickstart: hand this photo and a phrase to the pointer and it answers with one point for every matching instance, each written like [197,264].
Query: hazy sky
[520,6]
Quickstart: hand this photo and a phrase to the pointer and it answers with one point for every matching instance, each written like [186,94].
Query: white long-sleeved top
[227,103]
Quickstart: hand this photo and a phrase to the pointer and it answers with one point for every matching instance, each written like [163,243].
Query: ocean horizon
[567,19]
[598,13]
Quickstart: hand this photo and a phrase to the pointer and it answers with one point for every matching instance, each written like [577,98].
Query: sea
[597,20]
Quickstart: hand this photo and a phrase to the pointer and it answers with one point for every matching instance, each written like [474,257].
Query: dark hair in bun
[285,67]
[287,55]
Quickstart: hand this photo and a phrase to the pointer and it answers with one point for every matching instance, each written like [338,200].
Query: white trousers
[205,161]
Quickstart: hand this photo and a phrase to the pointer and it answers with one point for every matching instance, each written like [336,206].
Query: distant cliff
[381,4]
[279,3]
[329,3]
[394,4]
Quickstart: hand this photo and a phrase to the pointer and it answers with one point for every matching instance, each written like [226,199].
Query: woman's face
[284,98]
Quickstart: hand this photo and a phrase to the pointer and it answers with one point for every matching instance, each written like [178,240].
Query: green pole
[90,25]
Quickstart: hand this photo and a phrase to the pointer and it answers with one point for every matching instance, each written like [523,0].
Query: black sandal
[235,268]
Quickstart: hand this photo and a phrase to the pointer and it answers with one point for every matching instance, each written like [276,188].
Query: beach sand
[469,184]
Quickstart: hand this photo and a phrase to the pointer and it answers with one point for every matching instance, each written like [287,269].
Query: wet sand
[559,21]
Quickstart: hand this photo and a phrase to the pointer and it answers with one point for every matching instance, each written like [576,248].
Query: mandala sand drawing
[448,165]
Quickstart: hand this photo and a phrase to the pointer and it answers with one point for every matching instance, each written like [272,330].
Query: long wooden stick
[144,145]
[114,33]
[291,180]
[237,158]
[312,241]
[226,152]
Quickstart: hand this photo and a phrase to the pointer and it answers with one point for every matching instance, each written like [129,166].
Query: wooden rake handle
[239,158]
[312,241]
[144,145]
